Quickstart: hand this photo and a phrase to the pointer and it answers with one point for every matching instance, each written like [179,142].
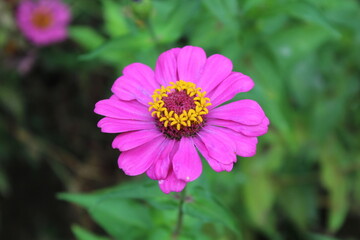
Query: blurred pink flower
[167,115]
[44,21]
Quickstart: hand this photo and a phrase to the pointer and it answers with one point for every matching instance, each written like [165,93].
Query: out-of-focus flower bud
[141,8]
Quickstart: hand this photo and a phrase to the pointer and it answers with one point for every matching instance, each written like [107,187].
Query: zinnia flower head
[167,115]
[43,21]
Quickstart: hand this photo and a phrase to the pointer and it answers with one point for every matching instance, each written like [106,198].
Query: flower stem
[179,222]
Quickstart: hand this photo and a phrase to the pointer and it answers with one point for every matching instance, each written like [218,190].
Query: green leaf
[84,200]
[172,18]
[302,81]
[259,193]
[207,27]
[272,24]
[4,183]
[7,22]
[159,233]
[335,181]
[341,13]
[86,37]
[320,237]
[121,217]
[310,14]
[118,206]
[327,114]
[122,50]
[144,190]
[132,190]
[250,4]
[206,208]
[270,93]
[294,43]
[83,234]
[299,203]
[274,157]
[224,10]
[356,183]
[268,76]
[115,22]
[12,101]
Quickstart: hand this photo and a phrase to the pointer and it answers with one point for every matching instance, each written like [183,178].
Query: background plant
[304,182]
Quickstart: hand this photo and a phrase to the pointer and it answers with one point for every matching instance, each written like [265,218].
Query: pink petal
[214,164]
[186,162]
[251,131]
[219,167]
[161,167]
[114,97]
[245,146]
[137,83]
[217,69]
[127,89]
[166,67]
[46,37]
[61,12]
[171,184]
[137,160]
[142,74]
[130,140]
[191,61]
[235,83]
[112,125]
[131,110]
[246,112]
[25,10]
[219,145]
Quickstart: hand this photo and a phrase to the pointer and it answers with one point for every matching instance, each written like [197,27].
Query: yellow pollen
[188,117]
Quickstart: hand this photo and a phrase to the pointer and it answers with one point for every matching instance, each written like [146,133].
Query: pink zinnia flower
[44,21]
[167,115]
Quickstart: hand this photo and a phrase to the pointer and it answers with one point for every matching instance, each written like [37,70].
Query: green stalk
[179,222]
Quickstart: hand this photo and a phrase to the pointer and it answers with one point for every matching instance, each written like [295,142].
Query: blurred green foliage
[304,55]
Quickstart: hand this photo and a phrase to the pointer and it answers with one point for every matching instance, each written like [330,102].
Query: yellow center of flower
[42,18]
[180,106]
